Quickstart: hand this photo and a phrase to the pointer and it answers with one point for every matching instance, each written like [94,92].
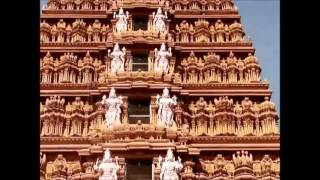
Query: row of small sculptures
[68,69]
[78,5]
[203,33]
[208,5]
[200,32]
[106,4]
[96,5]
[211,69]
[194,70]
[170,168]
[222,118]
[78,32]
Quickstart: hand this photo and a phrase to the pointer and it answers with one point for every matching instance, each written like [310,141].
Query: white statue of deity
[165,111]
[118,58]
[107,169]
[113,104]
[170,167]
[161,59]
[122,21]
[159,21]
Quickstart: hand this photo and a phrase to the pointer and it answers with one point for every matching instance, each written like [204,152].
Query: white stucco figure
[165,108]
[170,167]
[161,63]
[159,21]
[117,58]
[107,169]
[42,160]
[122,21]
[113,104]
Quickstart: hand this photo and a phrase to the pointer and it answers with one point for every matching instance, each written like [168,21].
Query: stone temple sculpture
[113,104]
[118,58]
[161,63]
[159,21]
[165,110]
[107,169]
[122,21]
[170,167]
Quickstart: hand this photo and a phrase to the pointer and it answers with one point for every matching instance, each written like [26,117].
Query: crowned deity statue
[42,160]
[122,21]
[107,169]
[113,104]
[170,167]
[161,59]
[118,58]
[159,21]
[165,108]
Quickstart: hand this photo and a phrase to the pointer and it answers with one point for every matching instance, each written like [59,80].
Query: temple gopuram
[152,90]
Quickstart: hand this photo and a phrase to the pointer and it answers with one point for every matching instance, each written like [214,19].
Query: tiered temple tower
[136,77]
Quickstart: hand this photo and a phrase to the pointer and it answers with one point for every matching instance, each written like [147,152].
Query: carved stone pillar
[153,115]
[151,61]
[193,124]
[211,125]
[103,34]
[150,23]
[128,62]
[125,110]
[171,65]
[44,127]
[167,25]
[191,37]
[113,24]
[155,169]
[178,115]
[177,37]
[239,130]
[122,170]
[86,127]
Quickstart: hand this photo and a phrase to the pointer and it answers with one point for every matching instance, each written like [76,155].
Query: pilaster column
[125,110]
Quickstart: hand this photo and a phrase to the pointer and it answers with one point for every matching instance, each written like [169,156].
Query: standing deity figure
[118,58]
[113,104]
[170,167]
[159,21]
[42,160]
[161,59]
[165,111]
[107,169]
[122,23]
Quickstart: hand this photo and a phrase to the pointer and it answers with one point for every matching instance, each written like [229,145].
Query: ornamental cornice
[226,85]
[214,44]
[67,85]
[83,12]
[63,140]
[72,44]
[236,139]
[191,140]
[148,82]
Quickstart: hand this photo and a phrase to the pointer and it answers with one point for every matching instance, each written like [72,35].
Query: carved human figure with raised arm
[170,167]
[117,58]
[159,21]
[122,21]
[165,108]
[162,59]
[113,104]
[107,169]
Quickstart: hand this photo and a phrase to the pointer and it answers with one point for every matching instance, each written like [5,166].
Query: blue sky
[261,20]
